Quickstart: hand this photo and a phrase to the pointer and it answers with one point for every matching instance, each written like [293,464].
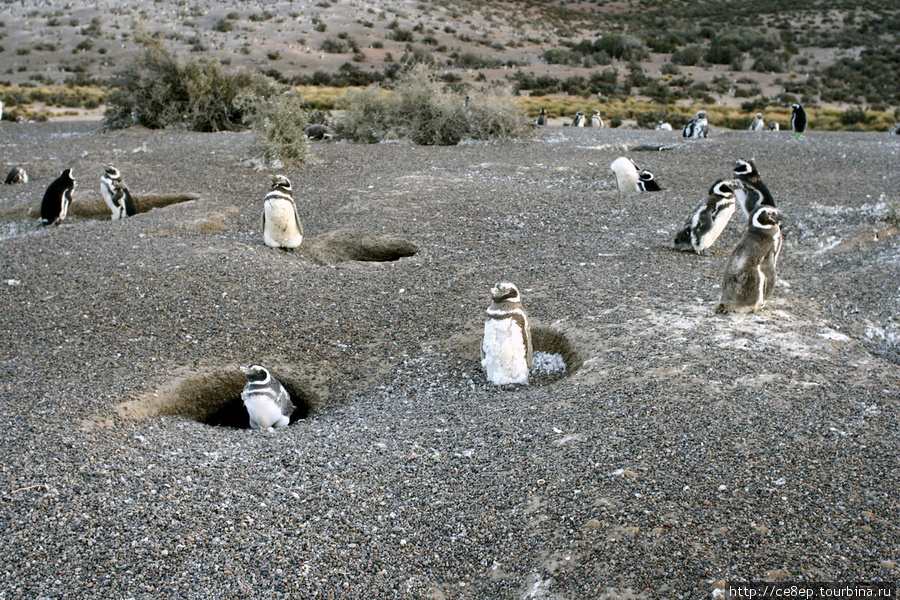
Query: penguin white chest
[264,411]
[504,354]
[282,228]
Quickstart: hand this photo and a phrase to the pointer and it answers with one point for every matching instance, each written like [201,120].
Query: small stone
[888,564]
[593,524]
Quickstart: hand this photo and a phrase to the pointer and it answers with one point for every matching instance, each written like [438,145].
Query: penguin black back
[798,119]
[57,197]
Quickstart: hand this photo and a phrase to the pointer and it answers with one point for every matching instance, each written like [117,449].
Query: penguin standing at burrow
[16,175]
[627,175]
[798,120]
[506,347]
[647,182]
[709,219]
[542,117]
[116,194]
[753,191]
[758,123]
[579,119]
[697,127]
[268,402]
[749,278]
[57,198]
[280,221]
[596,121]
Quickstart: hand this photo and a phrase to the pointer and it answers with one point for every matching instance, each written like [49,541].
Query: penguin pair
[697,127]
[116,194]
[630,179]
[506,347]
[710,217]
[280,220]
[267,401]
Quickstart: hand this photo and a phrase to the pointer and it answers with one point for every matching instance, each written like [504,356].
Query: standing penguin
[895,130]
[268,403]
[627,176]
[798,120]
[758,123]
[753,191]
[57,198]
[16,175]
[596,121]
[697,127]
[646,182]
[115,194]
[749,278]
[542,117]
[506,347]
[709,219]
[280,221]
[579,119]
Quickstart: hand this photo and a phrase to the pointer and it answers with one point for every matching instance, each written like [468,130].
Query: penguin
[646,182]
[506,347]
[772,126]
[280,221]
[579,119]
[753,191]
[697,127]
[57,199]
[749,278]
[709,219]
[318,132]
[596,121]
[627,176]
[798,120]
[663,127]
[115,194]
[758,123]
[895,130]
[542,117]
[16,175]
[268,403]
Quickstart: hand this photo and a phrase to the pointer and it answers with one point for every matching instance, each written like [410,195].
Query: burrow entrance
[97,208]
[554,356]
[342,246]
[214,398]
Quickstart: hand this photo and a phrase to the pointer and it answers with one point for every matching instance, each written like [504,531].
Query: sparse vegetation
[278,122]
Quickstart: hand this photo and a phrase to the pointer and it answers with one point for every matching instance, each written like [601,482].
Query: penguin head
[645,175]
[67,174]
[795,106]
[280,181]
[759,115]
[112,172]
[765,217]
[701,114]
[504,291]
[724,188]
[256,373]
[745,168]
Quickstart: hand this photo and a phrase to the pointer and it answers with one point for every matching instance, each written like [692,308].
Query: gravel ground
[680,450]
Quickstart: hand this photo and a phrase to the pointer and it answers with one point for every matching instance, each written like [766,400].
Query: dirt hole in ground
[343,246]
[213,397]
[554,356]
[97,208]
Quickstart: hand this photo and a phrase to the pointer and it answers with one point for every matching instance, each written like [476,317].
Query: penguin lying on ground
[631,179]
[57,198]
[268,403]
[749,278]
[709,219]
[506,347]
[16,175]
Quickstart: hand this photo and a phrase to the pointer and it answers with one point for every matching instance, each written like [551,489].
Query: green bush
[421,109]
[278,123]
[156,91]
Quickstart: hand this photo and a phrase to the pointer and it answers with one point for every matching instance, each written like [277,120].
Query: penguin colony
[506,346]
[268,402]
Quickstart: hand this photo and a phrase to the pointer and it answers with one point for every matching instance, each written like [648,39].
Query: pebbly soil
[680,450]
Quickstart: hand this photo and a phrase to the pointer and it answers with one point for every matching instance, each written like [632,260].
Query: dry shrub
[279,122]
[423,110]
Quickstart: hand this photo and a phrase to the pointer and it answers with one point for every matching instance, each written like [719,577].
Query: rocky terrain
[680,450]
